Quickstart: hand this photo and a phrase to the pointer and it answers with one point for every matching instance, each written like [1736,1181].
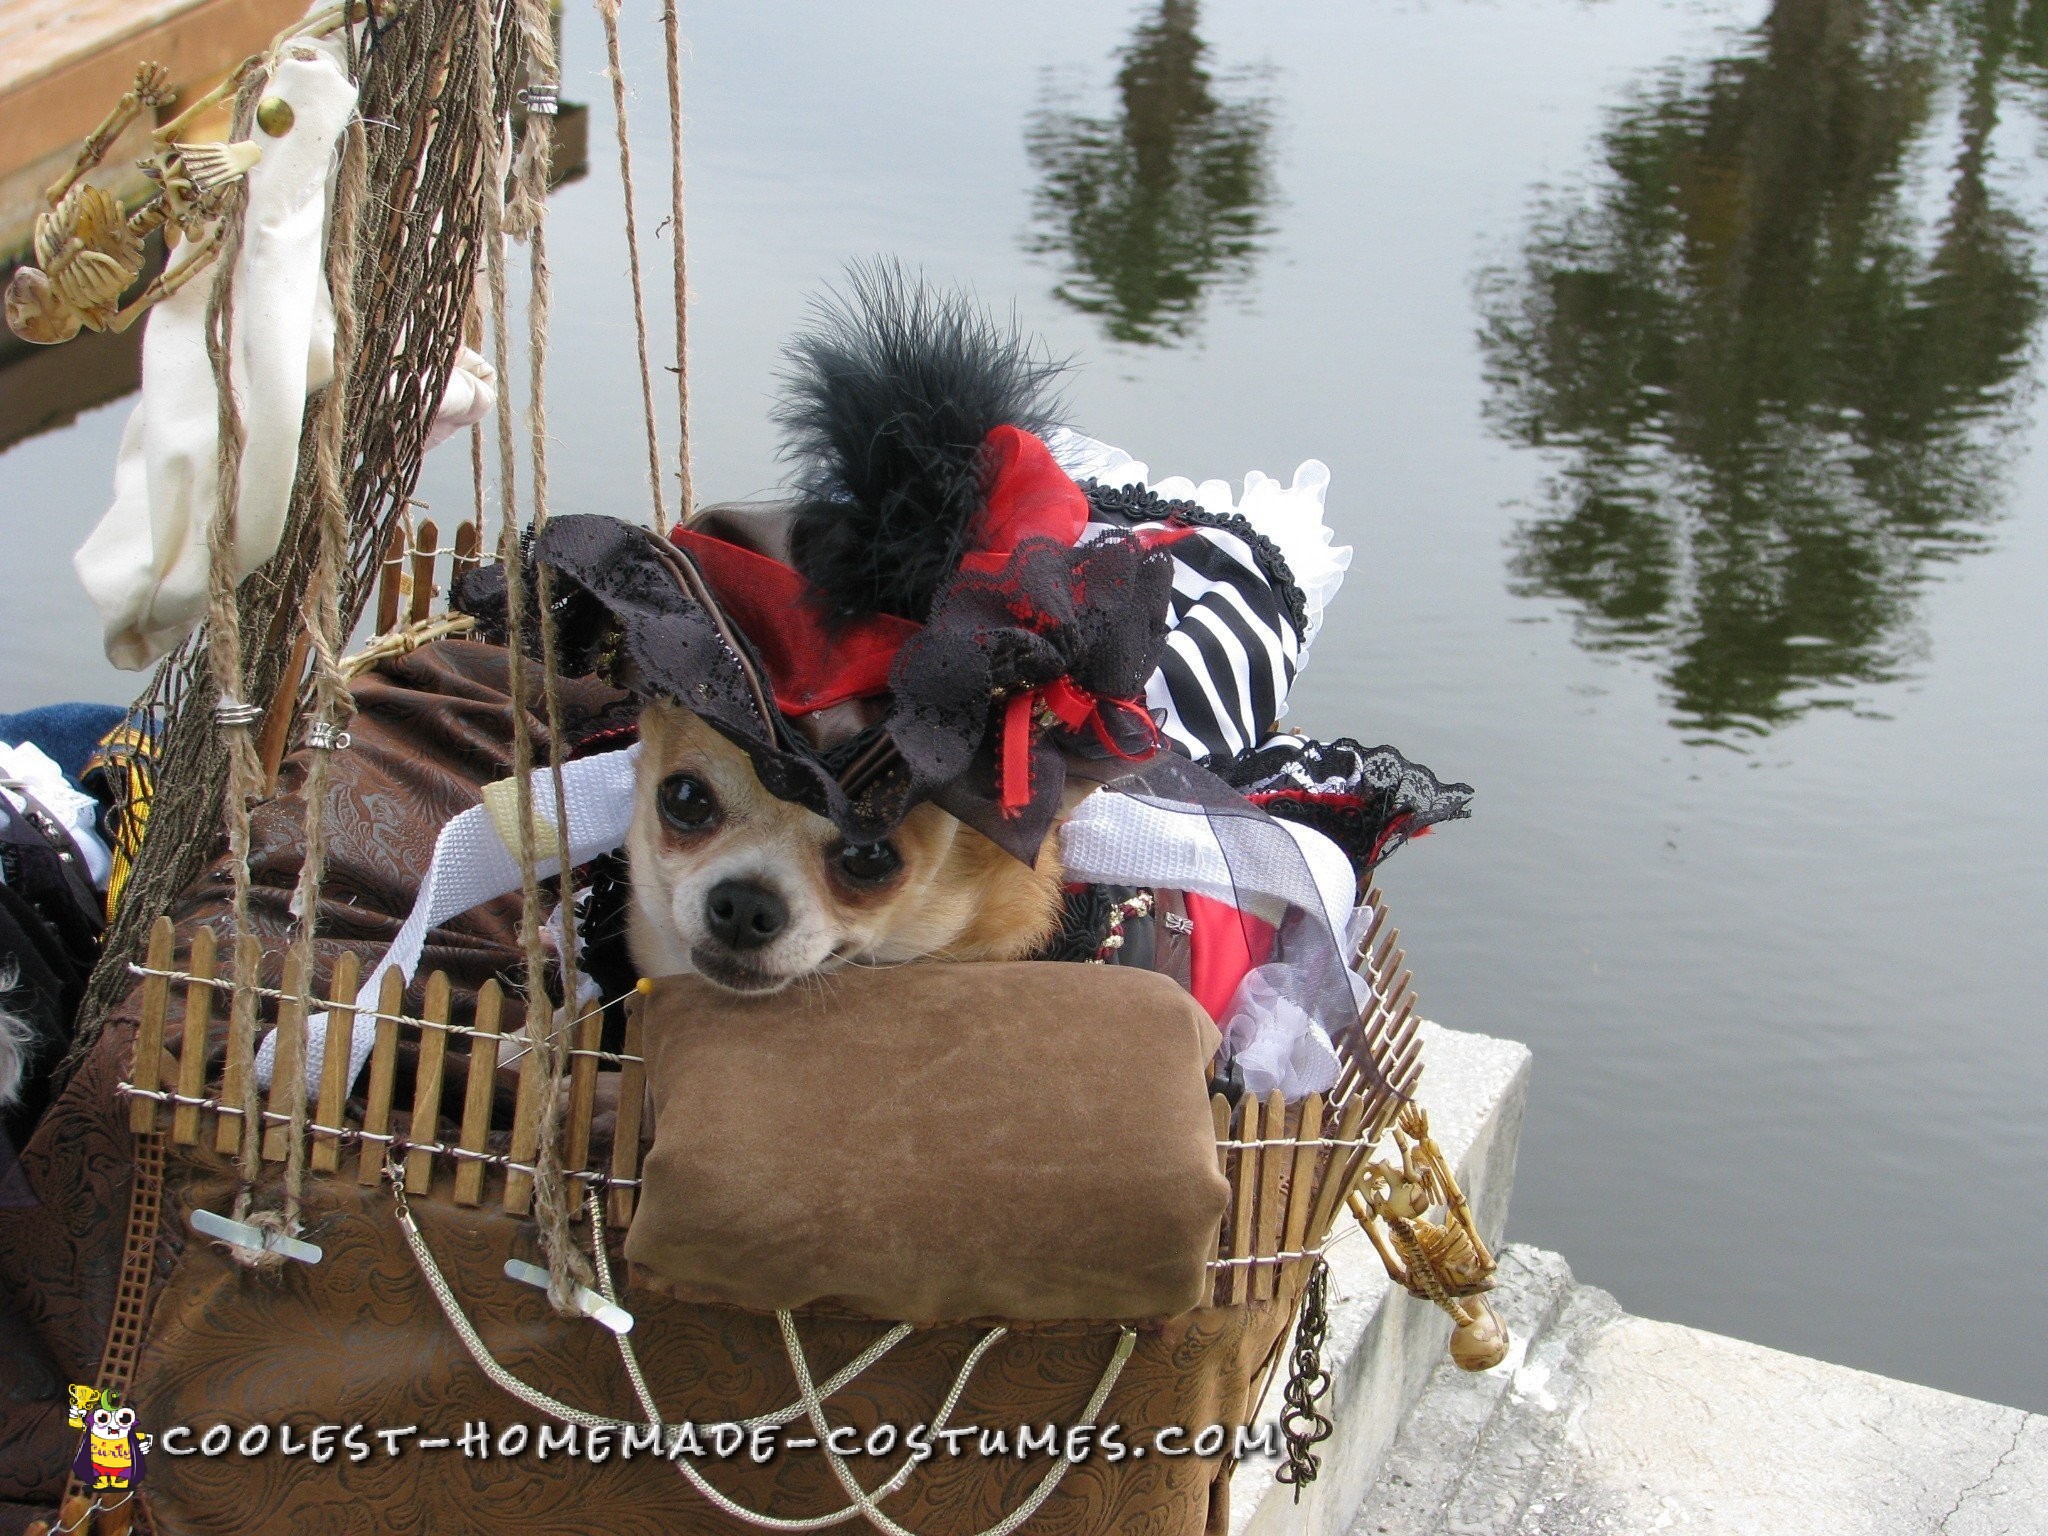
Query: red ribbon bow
[1067,703]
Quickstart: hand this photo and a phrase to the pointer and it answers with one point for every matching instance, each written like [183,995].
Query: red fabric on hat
[1029,496]
[813,667]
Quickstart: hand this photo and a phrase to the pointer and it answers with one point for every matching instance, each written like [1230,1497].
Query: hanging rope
[235,716]
[609,10]
[321,611]
[672,30]
[1127,1341]
[523,214]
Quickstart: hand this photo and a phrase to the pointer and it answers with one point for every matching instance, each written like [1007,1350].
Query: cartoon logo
[110,1455]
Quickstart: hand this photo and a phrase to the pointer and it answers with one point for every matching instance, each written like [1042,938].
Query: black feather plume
[889,396]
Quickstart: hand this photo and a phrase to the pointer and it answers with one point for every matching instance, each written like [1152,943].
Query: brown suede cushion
[930,1143]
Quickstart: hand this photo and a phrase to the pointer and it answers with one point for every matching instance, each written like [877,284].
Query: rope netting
[429,151]
[430,186]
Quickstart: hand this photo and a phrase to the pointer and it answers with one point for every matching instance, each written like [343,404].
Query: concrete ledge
[1600,1422]
[1384,1346]
[1669,1425]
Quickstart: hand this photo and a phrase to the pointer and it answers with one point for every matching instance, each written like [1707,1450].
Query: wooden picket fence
[410,576]
[1290,1168]
[197,1102]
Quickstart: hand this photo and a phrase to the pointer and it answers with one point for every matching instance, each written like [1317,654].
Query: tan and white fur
[754,893]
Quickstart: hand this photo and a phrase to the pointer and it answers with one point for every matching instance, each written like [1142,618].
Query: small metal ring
[327,737]
[541,100]
[232,711]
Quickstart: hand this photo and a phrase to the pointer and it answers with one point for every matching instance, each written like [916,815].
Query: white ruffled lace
[1290,515]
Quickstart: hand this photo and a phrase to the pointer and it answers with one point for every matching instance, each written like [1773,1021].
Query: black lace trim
[1134,504]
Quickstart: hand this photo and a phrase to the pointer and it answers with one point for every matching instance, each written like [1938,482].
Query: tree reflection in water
[1784,347]
[1148,209]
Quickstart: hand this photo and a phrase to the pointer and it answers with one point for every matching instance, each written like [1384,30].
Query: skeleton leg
[168,283]
[1454,1201]
[1396,1270]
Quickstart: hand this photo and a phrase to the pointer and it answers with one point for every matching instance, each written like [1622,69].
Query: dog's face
[753,892]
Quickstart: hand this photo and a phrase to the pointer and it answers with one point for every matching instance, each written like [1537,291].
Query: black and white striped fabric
[1238,627]
[1250,584]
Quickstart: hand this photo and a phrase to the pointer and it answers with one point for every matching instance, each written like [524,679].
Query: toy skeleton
[1445,1262]
[87,253]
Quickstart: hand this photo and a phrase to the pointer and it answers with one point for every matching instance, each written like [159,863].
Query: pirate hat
[923,620]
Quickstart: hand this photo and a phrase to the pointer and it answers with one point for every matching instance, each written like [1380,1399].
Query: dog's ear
[890,397]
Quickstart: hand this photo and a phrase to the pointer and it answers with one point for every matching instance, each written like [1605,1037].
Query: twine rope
[866,1502]
[524,215]
[321,606]
[672,34]
[224,618]
[811,1394]
[609,11]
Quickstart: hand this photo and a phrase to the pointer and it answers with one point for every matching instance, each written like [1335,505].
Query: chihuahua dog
[890,404]
[753,893]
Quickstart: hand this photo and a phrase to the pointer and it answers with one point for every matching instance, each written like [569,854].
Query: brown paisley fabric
[358,1339]
[431,728]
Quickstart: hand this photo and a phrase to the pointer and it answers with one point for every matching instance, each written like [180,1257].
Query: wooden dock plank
[64,63]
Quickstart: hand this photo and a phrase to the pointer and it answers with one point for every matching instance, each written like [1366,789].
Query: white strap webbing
[1112,839]
[473,863]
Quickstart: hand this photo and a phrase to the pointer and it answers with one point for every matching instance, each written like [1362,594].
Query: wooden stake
[1333,1187]
[240,1065]
[476,1102]
[390,577]
[1301,1182]
[426,544]
[192,1048]
[341,1025]
[425,1123]
[383,1068]
[1272,1165]
[632,1107]
[288,1065]
[526,1120]
[277,720]
[1245,1197]
[147,1071]
[588,1036]
[465,558]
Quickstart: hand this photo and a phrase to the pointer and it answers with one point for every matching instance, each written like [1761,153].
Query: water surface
[1676,366]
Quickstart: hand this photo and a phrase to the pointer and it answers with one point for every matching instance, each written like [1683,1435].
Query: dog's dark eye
[869,863]
[686,802]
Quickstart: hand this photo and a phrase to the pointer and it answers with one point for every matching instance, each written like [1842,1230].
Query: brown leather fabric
[61,1228]
[929,1143]
[431,729]
[359,1339]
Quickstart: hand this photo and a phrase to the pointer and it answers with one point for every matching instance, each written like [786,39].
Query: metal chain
[1302,1424]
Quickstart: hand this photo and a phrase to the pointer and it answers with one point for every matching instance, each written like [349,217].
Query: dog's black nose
[744,915]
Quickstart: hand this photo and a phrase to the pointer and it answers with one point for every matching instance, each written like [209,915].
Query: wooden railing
[199,1103]
[1290,1168]
[410,577]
